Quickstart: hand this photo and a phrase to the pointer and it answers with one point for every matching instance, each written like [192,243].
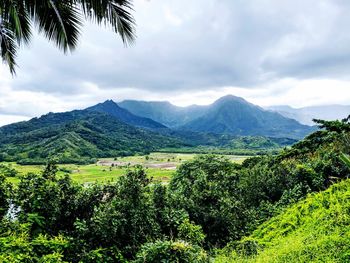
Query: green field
[159,166]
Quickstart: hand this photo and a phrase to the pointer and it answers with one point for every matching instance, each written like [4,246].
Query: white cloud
[193,52]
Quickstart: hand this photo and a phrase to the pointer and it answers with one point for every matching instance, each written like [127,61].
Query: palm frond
[20,23]
[116,13]
[8,45]
[60,22]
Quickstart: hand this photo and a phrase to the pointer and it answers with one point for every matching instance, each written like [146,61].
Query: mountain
[234,115]
[76,136]
[307,114]
[163,111]
[111,108]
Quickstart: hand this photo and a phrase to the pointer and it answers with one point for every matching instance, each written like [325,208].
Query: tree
[59,21]
[206,188]
[5,189]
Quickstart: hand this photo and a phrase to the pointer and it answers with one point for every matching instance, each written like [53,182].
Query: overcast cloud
[192,52]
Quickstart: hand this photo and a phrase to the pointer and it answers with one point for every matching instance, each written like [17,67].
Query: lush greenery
[159,166]
[210,202]
[106,130]
[314,230]
[76,137]
[231,145]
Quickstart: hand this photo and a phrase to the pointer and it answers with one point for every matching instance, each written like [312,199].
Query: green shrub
[171,251]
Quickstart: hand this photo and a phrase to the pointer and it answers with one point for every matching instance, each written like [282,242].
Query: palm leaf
[345,159]
[20,22]
[116,13]
[59,21]
[8,45]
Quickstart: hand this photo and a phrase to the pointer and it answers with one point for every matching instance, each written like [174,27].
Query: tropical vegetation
[212,209]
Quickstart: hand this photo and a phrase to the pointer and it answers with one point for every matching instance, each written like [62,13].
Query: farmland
[159,166]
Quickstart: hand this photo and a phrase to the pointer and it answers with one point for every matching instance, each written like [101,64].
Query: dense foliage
[314,230]
[209,203]
[76,137]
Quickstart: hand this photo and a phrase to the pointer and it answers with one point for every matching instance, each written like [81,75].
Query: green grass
[159,166]
[314,230]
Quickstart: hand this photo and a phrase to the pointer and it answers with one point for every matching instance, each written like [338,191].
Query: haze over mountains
[307,114]
[107,129]
[228,115]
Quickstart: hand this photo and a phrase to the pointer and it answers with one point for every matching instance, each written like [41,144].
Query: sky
[271,52]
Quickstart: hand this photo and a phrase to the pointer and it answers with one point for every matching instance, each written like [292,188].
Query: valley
[213,177]
[159,166]
[231,125]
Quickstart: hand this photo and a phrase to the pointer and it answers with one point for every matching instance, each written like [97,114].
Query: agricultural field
[159,166]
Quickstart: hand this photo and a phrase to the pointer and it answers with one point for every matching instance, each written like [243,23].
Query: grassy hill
[316,229]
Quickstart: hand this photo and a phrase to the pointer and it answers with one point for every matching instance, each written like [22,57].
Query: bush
[171,251]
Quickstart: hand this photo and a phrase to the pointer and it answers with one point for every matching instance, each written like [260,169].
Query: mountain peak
[109,102]
[112,108]
[230,98]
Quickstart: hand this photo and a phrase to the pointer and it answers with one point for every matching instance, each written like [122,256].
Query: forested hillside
[228,115]
[76,137]
[111,108]
[313,230]
[210,203]
[234,115]
[107,130]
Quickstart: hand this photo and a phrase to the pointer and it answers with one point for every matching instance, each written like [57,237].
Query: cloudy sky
[270,52]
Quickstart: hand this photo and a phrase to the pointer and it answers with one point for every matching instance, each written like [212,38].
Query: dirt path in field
[164,165]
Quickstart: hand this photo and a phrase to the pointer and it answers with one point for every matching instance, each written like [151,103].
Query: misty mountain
[164,112]
[234,115]
[307,114]
[111,108]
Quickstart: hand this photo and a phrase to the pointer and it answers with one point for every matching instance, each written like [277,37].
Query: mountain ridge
[235,115]
[113,109]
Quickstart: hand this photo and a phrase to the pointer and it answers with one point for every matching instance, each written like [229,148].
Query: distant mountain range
[307,114]
[228,115]
[108,130]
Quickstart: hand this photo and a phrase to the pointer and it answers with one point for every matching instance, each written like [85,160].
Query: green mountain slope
[111,108]
[76,136]
[234,115]
[163,111]
[316,229]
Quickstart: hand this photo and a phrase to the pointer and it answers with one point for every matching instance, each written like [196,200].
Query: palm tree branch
[8,45]
[60,21]
[116,13]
